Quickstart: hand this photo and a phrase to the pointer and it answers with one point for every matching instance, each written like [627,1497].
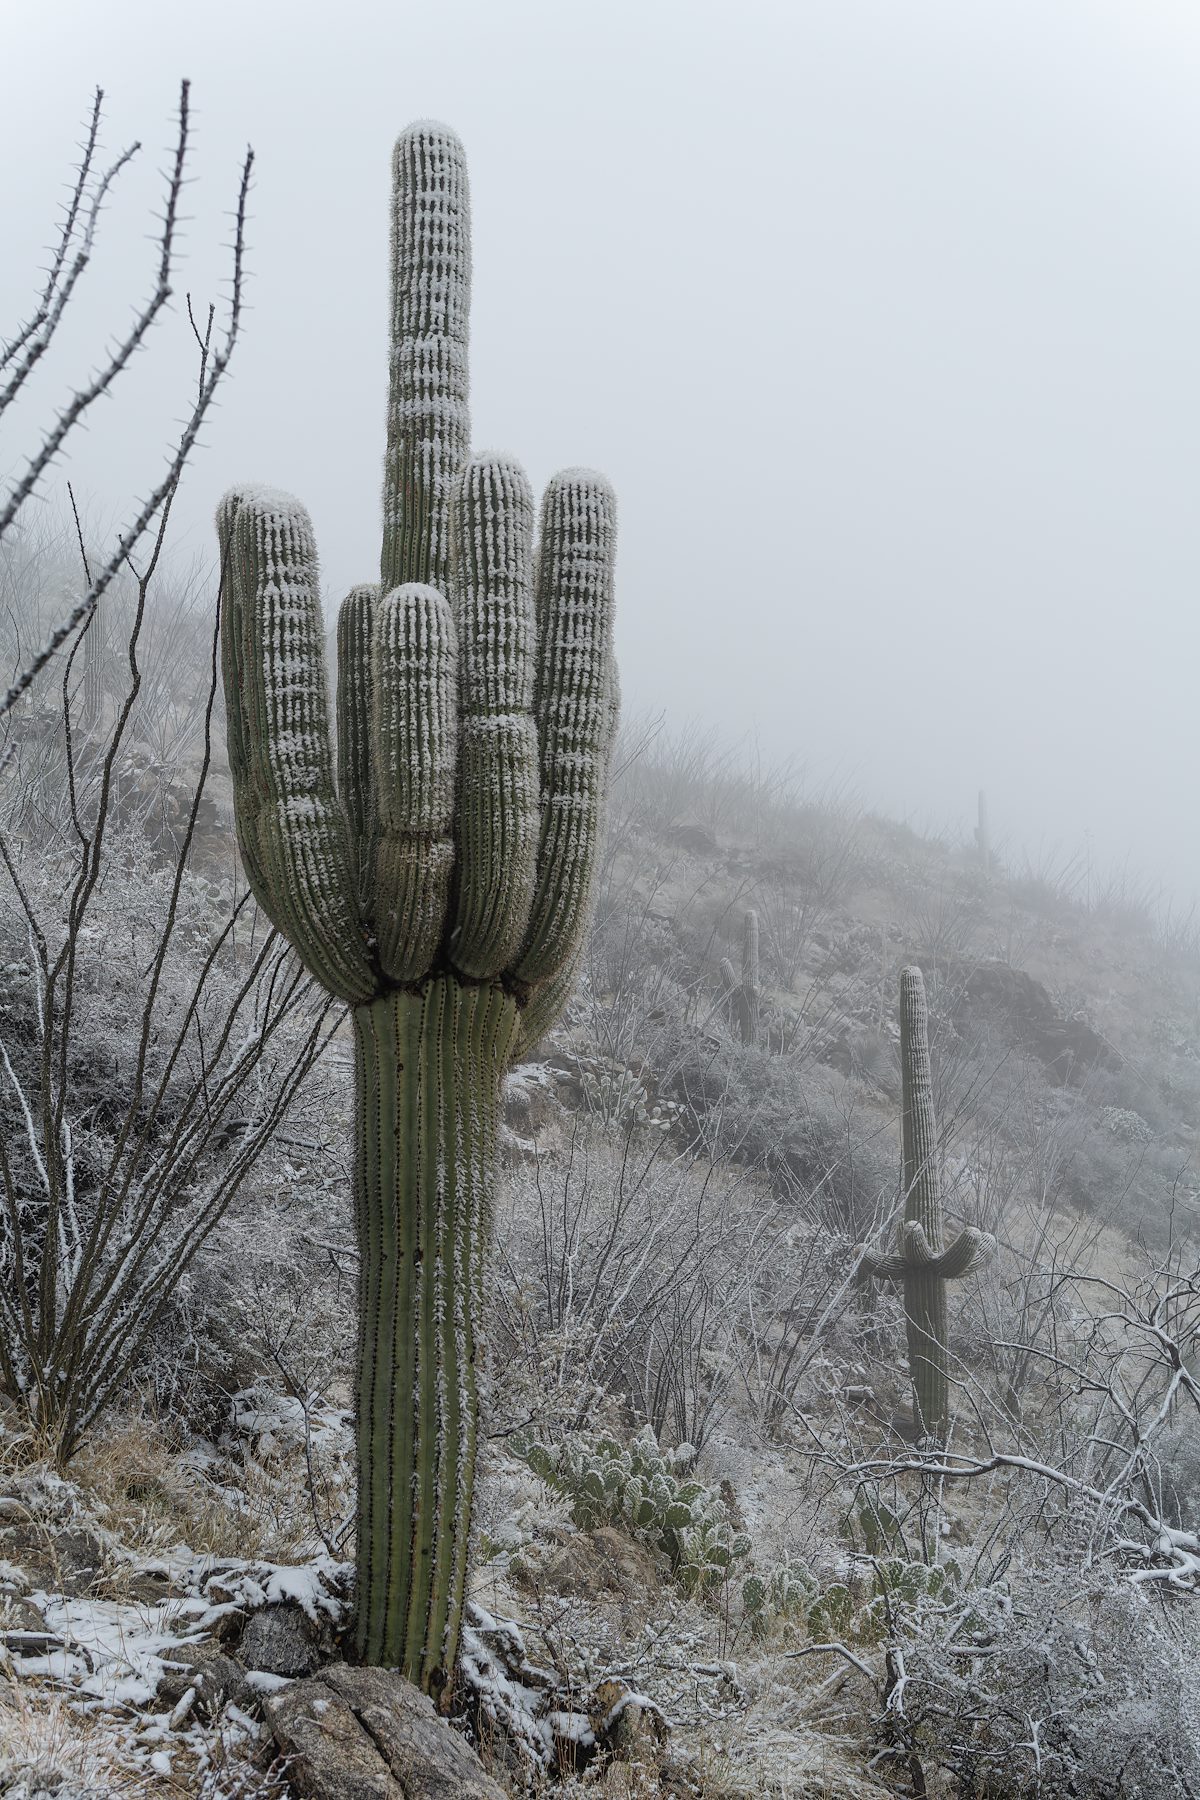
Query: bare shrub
[625,1270]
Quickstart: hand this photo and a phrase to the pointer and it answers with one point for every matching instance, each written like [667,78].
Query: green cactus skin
[442,885]
[921,1263]
[428,1068]
[744,995]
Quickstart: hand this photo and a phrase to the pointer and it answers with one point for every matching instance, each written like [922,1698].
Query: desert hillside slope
[713,1556]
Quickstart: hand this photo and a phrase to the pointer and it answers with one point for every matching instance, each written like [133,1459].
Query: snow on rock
[320,1588]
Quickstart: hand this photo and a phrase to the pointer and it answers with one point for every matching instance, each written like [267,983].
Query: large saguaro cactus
[920,1262]
[441,885]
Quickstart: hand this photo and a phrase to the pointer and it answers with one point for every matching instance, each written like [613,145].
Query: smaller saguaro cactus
[743,996]
[921,1262]
[93,672]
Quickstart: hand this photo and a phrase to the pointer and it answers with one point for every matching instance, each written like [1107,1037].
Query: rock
[68,1561]
[205,1667]
[696,839]
[530,1104]
[367,1734]
[81,1558]
[1021,1012]
[150,1586]
[19,1614]
[279,1640]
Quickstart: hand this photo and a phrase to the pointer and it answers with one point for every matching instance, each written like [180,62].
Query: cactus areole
[921,1264]
[440,884]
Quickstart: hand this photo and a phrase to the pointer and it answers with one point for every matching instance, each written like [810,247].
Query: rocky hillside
[711,1560]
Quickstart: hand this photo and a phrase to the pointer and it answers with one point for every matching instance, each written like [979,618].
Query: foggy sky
[883,318]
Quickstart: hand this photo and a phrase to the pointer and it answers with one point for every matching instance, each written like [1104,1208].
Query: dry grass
[50,1746]
[156,1499]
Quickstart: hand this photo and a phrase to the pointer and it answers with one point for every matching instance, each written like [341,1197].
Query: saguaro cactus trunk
[743,996]
[442,886]
[920,1263]
[428,1069]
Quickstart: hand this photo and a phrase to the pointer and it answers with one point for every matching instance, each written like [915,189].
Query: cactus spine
[743,995]
[921,1263]
[441,885]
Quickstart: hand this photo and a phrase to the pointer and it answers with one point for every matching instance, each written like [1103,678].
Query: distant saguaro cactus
[983,838]
[442,886]
[93,672]
[920,1262]
[743,996]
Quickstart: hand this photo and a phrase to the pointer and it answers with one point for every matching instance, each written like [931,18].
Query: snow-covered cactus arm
[237,729]
[547,1000]
[497,808]
[573,700]
[921,1263]
[428,425]
[355,629]
[291,827]
[413,743]
[545,1006]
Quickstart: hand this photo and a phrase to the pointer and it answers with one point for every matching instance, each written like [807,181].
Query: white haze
[882,318]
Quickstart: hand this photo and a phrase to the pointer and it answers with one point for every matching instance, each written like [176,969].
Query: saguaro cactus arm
[428,423]
[355,699]
[414,746]
[969,1251]
[571,704]
[291,828]
[498,779]
[880,1265]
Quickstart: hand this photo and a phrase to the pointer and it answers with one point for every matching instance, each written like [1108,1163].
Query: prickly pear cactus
[921,1263]
[651,1493]
[441,884]
[778,1600]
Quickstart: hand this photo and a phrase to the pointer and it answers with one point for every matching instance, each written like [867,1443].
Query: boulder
[205,1667]
[67,1560]
[18,1615]
[1021,1012]
[280,1640]
[367,1734]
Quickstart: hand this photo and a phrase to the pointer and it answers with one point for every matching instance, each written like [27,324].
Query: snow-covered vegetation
[717,1551]
[710,1556]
